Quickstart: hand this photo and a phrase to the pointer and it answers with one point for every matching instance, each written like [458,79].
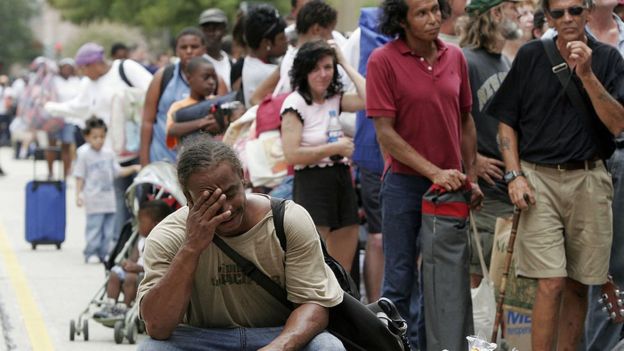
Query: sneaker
[92,259]
[120,310]
[111,312]
[105,312]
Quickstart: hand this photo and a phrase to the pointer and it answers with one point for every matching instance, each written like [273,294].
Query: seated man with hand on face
[194,297]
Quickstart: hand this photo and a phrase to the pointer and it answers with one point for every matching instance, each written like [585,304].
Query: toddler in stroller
[124,276]
[154,186]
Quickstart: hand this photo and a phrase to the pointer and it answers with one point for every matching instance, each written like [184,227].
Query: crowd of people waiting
[451,93]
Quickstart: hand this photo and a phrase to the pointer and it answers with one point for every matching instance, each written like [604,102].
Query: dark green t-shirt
[487,72]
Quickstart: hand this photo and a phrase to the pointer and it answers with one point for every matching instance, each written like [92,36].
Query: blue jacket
[367,153]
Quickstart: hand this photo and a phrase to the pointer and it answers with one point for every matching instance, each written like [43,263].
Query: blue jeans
[285,189]
[187,338]
[99,234]
[401,202]
[600,333]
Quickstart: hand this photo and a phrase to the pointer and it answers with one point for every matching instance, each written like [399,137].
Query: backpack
[377,326]
[266,161]
[126,116]
[166,78]
[367,153]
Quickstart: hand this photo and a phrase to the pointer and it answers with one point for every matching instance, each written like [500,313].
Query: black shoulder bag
[560,68]
[377,326]
[122,74]
[166,77]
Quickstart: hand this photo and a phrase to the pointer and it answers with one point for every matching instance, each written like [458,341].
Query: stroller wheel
[140,326]
[119,332]
[72,330]
[85,330]
[132,333]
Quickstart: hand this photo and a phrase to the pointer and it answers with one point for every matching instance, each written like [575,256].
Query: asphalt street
[42,290]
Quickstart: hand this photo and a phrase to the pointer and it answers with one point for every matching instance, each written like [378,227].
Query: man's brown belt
[571,166]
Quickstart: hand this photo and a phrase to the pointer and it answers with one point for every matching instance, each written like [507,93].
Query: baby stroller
[155,181]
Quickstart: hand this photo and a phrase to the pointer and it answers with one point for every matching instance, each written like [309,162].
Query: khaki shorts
[568,232]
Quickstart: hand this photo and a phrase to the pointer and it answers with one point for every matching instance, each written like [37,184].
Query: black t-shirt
[532,101]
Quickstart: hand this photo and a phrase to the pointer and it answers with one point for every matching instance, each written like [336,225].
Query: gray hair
[204,154]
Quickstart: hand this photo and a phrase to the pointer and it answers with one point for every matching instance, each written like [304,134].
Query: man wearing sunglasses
[553,153]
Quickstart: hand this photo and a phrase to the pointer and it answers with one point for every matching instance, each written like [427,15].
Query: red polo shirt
[425,100]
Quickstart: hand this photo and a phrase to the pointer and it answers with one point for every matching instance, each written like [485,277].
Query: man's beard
[510,30]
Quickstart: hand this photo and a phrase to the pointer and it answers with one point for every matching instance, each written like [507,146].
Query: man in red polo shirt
[418,93]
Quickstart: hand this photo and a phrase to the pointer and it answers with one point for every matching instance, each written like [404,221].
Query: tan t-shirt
[223,296]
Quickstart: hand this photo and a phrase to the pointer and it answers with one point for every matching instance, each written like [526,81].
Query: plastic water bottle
[334,132]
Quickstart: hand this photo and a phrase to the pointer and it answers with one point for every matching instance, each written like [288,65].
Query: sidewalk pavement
[42,290]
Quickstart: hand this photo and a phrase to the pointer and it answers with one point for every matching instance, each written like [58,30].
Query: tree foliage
[151,15]
[104,33]
[17,38]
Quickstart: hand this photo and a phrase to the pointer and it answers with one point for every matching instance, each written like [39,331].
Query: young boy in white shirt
[95,171]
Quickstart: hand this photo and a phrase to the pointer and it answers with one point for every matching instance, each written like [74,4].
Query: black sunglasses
[573,11]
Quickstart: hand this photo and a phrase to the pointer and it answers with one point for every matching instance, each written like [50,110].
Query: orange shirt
[171,140]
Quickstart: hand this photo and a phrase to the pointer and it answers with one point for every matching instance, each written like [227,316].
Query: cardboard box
[519,294]
[517,330]
[520,291]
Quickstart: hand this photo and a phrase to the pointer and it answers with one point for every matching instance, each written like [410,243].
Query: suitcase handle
[57,183]
[43,150]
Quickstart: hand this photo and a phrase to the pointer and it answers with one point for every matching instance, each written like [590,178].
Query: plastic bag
[483,300]
[477,344]
[265,159]
[483,307]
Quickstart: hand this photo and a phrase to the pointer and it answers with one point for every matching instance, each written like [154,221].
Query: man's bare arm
[508,145]
[304,323]
[518,188]
[164,305]
[150,108]
[469,146]
[400,150]
[609,110]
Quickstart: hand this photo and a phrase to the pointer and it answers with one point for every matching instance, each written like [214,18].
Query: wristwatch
[511,175]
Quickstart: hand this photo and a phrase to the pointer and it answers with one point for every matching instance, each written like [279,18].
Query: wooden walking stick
[503,286]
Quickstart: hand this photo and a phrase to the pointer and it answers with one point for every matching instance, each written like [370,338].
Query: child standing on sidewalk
[95,171]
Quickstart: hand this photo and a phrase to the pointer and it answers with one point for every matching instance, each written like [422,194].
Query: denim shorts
[371,185]
[66,134]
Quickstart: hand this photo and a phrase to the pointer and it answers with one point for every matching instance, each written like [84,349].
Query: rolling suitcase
[45,212]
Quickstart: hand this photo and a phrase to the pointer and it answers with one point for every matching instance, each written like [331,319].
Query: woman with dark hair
[266,41]
[312,142]
[170,84]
